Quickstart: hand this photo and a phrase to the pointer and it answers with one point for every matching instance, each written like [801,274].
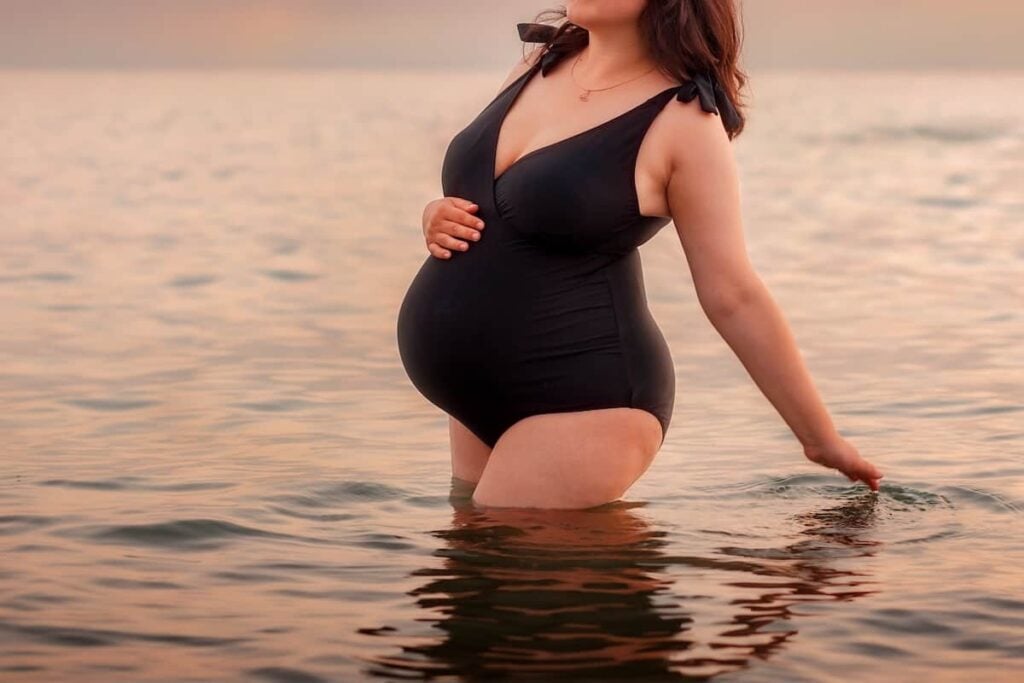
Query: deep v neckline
[516,89]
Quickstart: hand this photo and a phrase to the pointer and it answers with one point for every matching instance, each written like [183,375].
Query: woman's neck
[612,54]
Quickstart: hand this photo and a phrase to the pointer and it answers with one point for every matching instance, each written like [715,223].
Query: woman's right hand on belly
[448,223]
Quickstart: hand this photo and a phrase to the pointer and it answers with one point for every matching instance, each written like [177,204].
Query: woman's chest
[575,194]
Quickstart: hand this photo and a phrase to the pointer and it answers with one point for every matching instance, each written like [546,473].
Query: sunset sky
[479,33]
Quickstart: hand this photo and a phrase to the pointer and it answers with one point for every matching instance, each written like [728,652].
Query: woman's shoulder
[525,62]
[706,114]
[536,36]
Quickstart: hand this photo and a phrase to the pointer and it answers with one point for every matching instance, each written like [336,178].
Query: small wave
[17,524]
[810,485]
[285,245]
[915,498]
[382,542]
[186,281]
[280,674]
[135,584]
[134,484]
[278,406]
[188,534]
[829,484]
[92,637]
[988,500]
[316,517]
[336,494]
[905,621]
[53,277]
[969,132]
[67,307]
[948,202]
[934,536]
[429,501]
[110,404]
[934,408]
[290,275]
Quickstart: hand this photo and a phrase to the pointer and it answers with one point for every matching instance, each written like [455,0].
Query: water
[214,467]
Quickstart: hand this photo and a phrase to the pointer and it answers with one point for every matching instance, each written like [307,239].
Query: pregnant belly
[502,328]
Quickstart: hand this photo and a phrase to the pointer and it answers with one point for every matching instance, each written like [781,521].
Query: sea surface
[213,466]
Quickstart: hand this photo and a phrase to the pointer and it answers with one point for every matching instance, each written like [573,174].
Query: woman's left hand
[841,455]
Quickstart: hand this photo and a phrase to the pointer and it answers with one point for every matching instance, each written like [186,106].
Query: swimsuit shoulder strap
[713,98]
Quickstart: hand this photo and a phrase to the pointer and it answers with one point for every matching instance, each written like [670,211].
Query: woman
[528,323]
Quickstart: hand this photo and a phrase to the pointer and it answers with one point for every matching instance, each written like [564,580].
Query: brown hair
[687,38]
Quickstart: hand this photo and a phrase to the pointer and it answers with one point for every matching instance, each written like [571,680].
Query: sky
[480,33]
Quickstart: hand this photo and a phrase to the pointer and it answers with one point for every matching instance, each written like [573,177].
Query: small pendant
[585,96]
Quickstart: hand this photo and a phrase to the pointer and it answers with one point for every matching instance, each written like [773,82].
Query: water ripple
[110,404]
[341,493]
[279,674]
[93,637]
[19,524]
[186,534]
[130,483]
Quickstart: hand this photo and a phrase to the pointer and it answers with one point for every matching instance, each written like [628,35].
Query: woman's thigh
[469,453]
[570,460]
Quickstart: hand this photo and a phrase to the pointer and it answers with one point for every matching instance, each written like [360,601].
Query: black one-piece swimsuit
[547,313]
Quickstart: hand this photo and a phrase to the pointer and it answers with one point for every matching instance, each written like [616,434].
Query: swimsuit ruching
[547,313]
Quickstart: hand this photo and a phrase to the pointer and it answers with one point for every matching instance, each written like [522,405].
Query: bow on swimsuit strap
[712,96]
[536,33]
[703,85]
[542,33]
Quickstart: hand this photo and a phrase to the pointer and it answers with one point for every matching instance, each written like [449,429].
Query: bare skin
[448,223]
[685,170]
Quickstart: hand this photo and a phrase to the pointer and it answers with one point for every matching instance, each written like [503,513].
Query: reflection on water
[592,594]
[215,468]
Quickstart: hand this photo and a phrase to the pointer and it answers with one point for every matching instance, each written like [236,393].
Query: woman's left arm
[703,196]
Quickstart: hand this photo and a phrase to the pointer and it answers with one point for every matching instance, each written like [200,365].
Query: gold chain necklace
[586,91]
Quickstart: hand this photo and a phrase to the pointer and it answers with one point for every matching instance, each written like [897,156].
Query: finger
[439,230]
[469,220]
[461,217]
[438,251]
[450,242]
[872,482]
[465,218]
[463,204]
[458,230]
[870,471]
